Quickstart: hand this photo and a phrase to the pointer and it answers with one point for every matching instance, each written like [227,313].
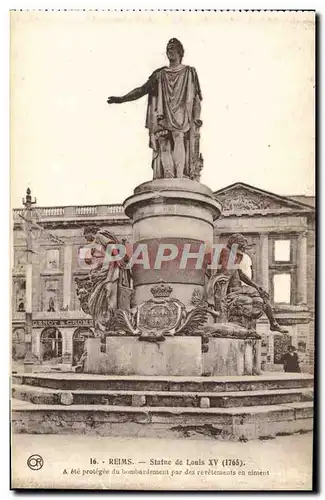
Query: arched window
[78,343]
[51,345]
[18,344]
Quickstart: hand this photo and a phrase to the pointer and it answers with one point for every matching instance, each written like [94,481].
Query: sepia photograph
[163,226]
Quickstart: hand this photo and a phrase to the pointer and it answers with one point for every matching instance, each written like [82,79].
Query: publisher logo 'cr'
[35,462]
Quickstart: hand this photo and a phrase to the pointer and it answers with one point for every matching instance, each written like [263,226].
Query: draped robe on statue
[173,105]
[105,279]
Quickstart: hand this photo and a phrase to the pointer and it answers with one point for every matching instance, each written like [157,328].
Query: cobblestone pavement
[141,463]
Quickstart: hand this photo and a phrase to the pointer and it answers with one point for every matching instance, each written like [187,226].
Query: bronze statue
[173,116]
[238,303]
[98,291]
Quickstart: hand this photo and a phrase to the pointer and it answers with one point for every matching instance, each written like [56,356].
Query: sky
[69,146]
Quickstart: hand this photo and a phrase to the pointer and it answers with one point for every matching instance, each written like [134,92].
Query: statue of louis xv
[173,116]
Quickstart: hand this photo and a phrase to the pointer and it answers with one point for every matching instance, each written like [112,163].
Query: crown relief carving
[161,290]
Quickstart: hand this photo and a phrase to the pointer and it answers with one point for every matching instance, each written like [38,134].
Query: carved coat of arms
[160,316]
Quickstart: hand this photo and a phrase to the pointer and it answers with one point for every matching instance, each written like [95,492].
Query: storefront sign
[43,323]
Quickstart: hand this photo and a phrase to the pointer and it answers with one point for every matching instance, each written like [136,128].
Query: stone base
[221,423]
[139,397]
[129,356]
[231,356]
[82,382]
[239,408]
[178,356]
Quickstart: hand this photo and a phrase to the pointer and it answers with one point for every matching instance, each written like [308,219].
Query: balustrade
[71,211]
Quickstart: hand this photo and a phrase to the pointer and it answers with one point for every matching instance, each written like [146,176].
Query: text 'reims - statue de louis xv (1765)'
[173,116]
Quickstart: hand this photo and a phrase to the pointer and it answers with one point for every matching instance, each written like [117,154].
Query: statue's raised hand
[198,122]
[114,100]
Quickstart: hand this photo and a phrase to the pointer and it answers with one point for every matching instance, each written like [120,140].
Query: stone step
[71,381]
[41,395]
[222,423]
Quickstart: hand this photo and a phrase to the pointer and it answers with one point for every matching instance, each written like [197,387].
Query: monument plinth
[172,219]
[175,356]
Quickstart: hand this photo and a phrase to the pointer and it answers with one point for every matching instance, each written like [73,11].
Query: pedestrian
[291,360]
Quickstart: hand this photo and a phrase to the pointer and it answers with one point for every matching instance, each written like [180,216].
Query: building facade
[281,258]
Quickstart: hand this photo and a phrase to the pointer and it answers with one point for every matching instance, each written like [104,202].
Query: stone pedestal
[231,356]
[168,212]
[180,356]
[172,237]
[175,356]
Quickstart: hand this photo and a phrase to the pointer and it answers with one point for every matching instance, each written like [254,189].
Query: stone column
[67,276]
[36,344]
[264,261]
[178,214]
[67,335]
[302,268]
[29,289]
[67,344]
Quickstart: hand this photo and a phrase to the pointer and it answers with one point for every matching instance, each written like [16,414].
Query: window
[51,345]
[18,336]
[75,300]
[283,268]
[20,293]
[51,296]
[302,346]
[282,288]
[19,260]
[18,344]
[52,258]
[282,250]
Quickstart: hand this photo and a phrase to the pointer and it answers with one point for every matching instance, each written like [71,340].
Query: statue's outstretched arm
[131,96]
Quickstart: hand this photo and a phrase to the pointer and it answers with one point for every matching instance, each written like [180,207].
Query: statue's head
[239,240]
[90,232]
[174,50]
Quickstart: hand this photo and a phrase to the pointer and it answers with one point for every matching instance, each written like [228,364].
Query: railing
[71,211]
[114,209]
[50,211]
[17,212]
[90,210]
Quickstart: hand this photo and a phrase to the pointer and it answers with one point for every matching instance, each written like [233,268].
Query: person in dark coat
[291,361]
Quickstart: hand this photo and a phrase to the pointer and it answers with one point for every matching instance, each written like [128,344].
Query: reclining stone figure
[234,295]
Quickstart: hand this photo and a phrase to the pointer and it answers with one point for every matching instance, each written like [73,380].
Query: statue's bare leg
[166,157]
[179,153]
[274,325]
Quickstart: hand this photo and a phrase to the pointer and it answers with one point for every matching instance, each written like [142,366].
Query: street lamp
[29,358]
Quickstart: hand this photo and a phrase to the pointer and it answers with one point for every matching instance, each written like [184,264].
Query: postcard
[163,241]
